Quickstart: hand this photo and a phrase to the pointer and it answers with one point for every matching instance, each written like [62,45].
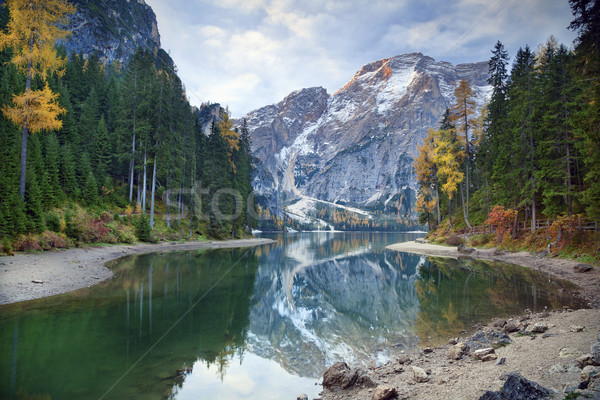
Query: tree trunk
[464,208]
[139,193]
[437,204]
[533,213]
[132,166]
[144,190]
[168,202]
[25,133]
[467,151]
[153,191]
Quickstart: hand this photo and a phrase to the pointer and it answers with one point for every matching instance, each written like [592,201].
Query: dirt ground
[36,275]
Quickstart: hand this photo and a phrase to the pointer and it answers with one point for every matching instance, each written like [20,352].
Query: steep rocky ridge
[357,146]
[113,29]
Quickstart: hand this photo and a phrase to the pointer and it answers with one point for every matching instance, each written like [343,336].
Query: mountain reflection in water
[252,323]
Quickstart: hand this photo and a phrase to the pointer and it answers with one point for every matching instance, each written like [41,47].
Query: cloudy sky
[250,53]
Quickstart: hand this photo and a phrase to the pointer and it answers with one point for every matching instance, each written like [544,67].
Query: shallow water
[255,323]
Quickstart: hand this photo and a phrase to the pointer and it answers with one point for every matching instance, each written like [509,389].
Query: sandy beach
[36,275]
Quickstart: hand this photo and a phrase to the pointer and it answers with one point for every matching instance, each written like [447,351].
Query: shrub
[142,228]
[53,222]
[124,235]
[480,239]
[27,242]
[7,246]
[105,217]
[72,227]
[501,220]
[53,240]
[454,240]
[93,231]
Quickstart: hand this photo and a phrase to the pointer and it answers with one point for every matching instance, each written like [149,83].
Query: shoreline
[587,283]
[30,276]
[549,359]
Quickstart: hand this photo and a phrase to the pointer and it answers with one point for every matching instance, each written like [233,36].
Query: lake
[257,323]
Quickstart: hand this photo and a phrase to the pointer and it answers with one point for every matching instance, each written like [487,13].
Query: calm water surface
[259,323]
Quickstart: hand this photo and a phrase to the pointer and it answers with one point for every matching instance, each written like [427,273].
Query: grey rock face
[112,29]
[357,146]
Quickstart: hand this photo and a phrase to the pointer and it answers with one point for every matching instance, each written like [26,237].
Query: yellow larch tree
[231,136]
[462,114]
[426,173]
[447,156]
[34,27]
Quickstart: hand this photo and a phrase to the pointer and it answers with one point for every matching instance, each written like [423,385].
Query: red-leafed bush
[26,243]
[93,231]
[501,219]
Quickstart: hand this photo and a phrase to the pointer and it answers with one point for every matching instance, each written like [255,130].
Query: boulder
[499,323]
[569,352]
[501,361]
[302,397]
[486,354]
[585,360]
[384,392]
[340,375]
[588,373]
[419,374]
[482,340]
[576,328]
[595,352]
[581,268]
[427,350]
[489,395]
[404,359]
[517,387]
[539,327]
[457,351]
[511,327]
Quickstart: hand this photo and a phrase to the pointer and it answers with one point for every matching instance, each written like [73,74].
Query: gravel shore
[550,359]
[33,276]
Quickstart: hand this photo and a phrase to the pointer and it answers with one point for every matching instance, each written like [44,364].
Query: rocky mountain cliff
[113,29]
[356,147]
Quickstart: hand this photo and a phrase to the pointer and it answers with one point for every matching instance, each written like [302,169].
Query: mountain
[356,147]
[113,29]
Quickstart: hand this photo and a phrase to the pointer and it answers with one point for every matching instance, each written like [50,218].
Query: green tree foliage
[535,150]
[586,120]
[125,131]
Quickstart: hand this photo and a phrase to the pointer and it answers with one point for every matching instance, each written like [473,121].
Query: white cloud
[250,53]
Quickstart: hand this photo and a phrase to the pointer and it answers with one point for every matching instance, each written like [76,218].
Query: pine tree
[68,174]
[33,204]
[587,120]
[90,190]
[52,167]
[521,120]
[101,151]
